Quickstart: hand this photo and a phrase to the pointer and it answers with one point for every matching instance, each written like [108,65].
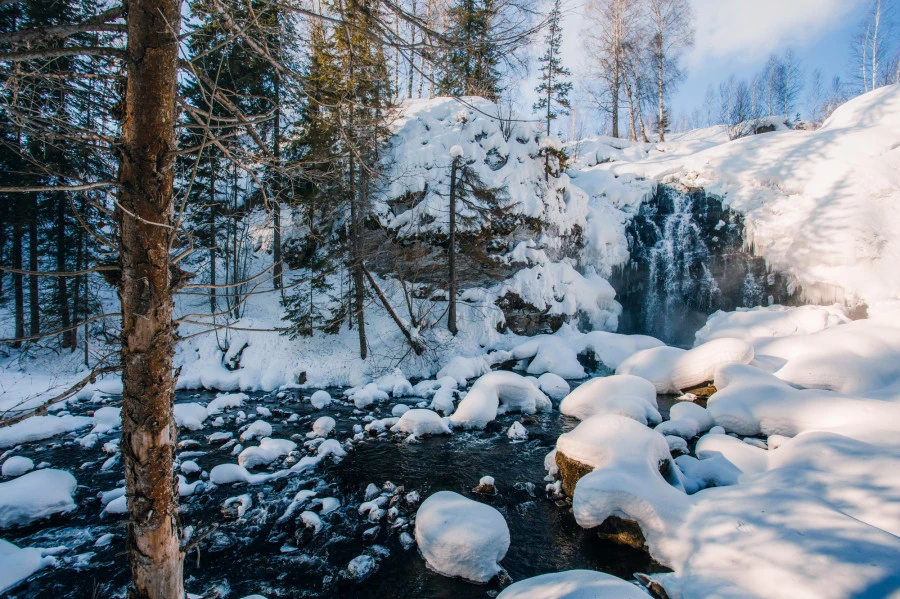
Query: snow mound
[770,322]
[190,415]
[257,430]
[573,584]
[322,427]
[498,391]
[17,465]
[553,385]
[655,365]
[420,422]
[320,399]
[225,474]
[698,365]
[267,452]
[461,537]
[687,420]
[622,394]
[36,495]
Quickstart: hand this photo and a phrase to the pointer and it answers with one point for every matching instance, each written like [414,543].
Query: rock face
[622,531]
[689,259]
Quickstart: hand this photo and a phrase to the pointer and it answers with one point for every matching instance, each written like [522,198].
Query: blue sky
[737,36]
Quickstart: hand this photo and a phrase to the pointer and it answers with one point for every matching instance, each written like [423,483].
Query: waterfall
[688,259]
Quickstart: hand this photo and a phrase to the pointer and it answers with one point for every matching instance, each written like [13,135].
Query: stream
[263,553]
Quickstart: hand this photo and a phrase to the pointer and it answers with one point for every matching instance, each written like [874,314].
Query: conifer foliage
[554,86]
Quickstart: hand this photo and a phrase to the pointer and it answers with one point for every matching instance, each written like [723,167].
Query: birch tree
[671,32]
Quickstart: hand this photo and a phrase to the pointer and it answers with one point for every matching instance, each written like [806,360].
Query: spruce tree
[472,66]
[553,89]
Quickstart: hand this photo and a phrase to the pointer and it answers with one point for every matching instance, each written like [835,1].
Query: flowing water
[689,259]
[259,553]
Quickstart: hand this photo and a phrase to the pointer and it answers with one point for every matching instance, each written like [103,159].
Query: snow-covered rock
[573,584]
[17,465]
[461,537]
[553,385]
[622,394]
[495,391]
[20,563]
[266,452]
[38,428]
[35,495]
[322,427]
[320,399]
[190,415]
[256,430]
[420,422]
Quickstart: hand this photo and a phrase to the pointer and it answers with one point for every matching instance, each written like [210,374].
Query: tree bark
[62,291]
[356,262]
[451,293]
[277,269]
[148,337]
[34,299]
[18,280]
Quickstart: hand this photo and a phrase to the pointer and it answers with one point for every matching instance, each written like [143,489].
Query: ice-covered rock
[622,394]
[461,537]
[498,391]
[573,584]
[420,422]
[35,495]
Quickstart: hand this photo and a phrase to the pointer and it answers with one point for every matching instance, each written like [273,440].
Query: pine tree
[553,89]
[472,66]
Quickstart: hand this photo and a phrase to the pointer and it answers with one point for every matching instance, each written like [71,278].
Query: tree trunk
[213,234]
[356,262]
[148,337]
[276,216]
[660,89]
[451,293]
[18,280]
[629,94]
[34,300]
[615,97]
[62,291]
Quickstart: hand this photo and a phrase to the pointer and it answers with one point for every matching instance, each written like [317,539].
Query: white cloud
[748,30]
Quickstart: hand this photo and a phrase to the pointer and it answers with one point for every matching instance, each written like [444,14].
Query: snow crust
[461,537]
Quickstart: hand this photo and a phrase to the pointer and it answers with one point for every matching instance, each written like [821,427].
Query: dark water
[257,554]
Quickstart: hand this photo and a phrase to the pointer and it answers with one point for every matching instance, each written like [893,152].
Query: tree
[553,88]
[792,82]
[871,45]
[815,95]
[671,31]
[612,25]
[472,65]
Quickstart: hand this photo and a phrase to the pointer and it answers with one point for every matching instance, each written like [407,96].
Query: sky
[736,36]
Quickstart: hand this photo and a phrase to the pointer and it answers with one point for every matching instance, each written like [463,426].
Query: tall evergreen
[554,87]
[472,65]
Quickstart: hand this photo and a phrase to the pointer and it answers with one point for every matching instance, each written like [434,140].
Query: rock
[486,486]
[703,390]
[461,537]
[622,531]
[570,472]
[573,584]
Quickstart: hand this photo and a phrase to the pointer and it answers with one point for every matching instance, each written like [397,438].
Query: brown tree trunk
[356,260]
[145,291]
[451,293]
[213,235]
[276,150]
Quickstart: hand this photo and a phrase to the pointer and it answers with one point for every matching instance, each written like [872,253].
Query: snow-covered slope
[823,206]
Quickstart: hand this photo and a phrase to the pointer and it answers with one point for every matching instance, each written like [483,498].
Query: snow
[17,466]
[420,422]
[107,419]
[622,394]
[686,420]
[320,399]
[225,402]
[457,152]
[766,323]
[225,474]
[361,567]
[20,563]
[496,390]
[553,385]
[698,365]
[461,537]
[517,432]
[655,365]
[322,427]
[399,410]
[190,416]
[573,584]
[256,430]
[267,452]
[35,495]
[38,428]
